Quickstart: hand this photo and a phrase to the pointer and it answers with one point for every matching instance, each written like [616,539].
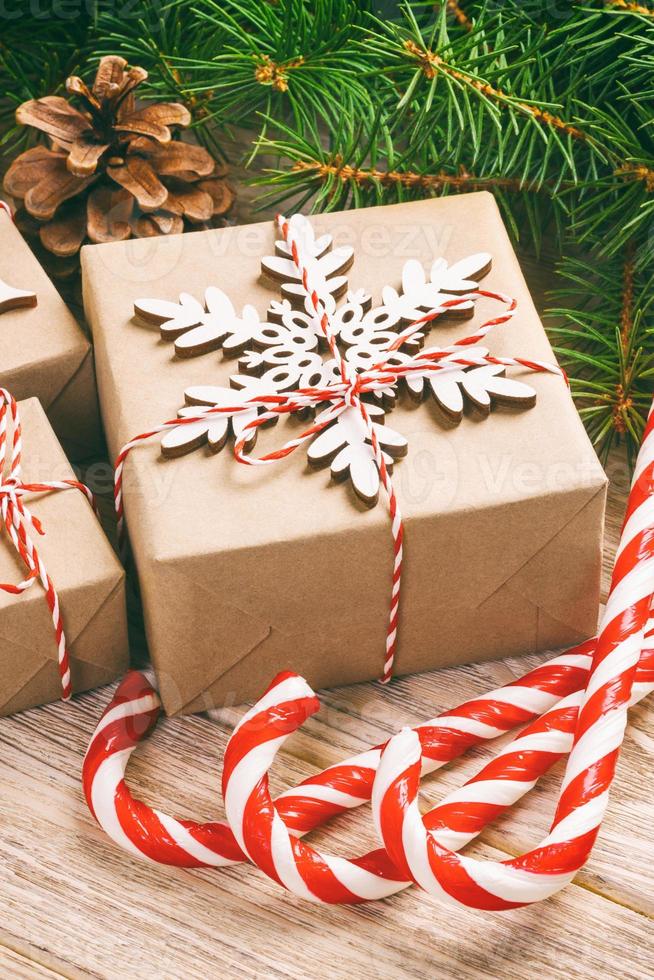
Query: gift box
[86,573]
[247,570]
[43,351]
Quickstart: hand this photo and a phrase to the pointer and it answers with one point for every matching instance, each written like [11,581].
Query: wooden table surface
[74,905]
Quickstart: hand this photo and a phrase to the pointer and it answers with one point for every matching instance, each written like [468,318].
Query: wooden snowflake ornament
[328,264]
[197,329]
[487,386]
[317,338]
[15,299]
[212,432]
[483,388]
[346,447]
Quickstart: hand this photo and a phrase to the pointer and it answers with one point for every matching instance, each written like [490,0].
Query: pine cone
[112,170]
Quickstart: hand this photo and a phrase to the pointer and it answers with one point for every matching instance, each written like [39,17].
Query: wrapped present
[244,570]
[62,596]
[43,350]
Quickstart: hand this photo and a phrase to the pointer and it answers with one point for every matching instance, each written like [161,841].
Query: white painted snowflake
[287,349]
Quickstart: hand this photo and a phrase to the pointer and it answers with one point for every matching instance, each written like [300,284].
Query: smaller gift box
[43,350]
[74,555]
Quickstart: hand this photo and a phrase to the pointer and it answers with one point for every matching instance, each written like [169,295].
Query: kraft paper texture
[86,573]
[245,571]
[43,352]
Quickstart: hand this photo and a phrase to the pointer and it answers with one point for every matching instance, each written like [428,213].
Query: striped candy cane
[20,525]
[317,876]
[141,830]
[598,735]
[138,828]
[258,827]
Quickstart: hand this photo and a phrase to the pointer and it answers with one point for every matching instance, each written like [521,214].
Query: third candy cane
[598,735]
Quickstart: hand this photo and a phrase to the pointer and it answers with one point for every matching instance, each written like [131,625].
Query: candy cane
[139,829]
[314,875]
[598,735]
[257,826]
[135,707]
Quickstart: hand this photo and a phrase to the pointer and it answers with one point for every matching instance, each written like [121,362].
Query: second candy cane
[598,735]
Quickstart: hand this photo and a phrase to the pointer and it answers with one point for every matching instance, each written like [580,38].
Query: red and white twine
[347,393]
[20,524]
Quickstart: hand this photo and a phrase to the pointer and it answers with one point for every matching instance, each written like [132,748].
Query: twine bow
[20,525]
[347,393]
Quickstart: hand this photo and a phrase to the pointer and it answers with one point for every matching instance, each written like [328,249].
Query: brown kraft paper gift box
[248,570]
[43,351]
[86,573]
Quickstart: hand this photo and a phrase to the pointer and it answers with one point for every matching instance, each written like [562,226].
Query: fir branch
[364,166]
[431,63]
[607,333]
[461,182]
[629,7]
[291,60]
